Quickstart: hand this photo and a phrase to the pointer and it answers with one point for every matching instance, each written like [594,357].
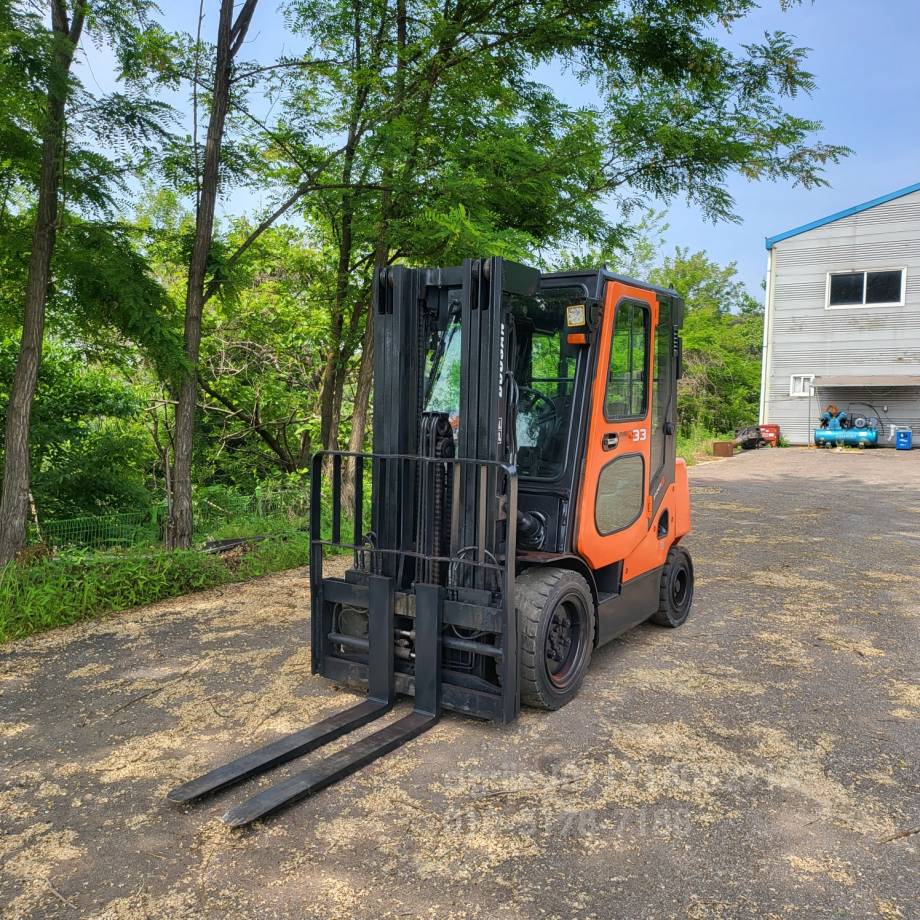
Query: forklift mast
[418,314]
[443,486]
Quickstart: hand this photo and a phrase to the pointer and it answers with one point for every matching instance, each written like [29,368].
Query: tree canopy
[401,131]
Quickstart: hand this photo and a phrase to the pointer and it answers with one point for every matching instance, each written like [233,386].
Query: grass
[43,592]
[697,444]
[254,525]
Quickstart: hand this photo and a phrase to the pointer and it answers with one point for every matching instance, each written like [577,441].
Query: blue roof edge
[771,241]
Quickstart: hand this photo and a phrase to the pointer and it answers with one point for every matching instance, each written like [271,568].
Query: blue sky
[866,60]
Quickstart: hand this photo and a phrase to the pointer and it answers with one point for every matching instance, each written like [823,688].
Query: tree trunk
[332,372]
[336,361]
[328,433]
[230,36]
[363,387]
[14,500]
[362,404]
[382,259]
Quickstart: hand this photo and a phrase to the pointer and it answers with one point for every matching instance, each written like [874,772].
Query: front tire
[556,625]
[676,592]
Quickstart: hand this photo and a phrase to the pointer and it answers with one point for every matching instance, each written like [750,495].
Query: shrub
[697,443]
[42,592]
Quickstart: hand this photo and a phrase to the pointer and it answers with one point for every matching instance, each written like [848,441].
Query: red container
[770,433]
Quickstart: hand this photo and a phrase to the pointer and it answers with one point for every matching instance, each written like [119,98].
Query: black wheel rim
[564,645]
[681,590]
[680,585]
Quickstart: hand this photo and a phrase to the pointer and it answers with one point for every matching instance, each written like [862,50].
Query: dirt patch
[834,869]
[789,580]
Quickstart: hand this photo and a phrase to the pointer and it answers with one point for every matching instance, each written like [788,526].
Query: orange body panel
[682,499]
[652,551]
[637,544]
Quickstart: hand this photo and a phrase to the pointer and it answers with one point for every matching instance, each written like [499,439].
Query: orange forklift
[522,505]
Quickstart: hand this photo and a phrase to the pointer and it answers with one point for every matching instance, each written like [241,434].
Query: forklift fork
[382,695]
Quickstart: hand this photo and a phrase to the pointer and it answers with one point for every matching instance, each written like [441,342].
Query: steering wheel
[531,399]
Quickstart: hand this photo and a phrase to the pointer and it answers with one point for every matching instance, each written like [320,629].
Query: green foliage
[104,468]
[56,591]
[259,361]
[107,296]
[722,336]
[223,512]
[694,442]
[258,366]
[100,281]
[452,104]
[108,135]
[90,453]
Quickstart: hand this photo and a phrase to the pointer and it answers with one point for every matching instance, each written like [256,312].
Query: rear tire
[556,625]
[676,592]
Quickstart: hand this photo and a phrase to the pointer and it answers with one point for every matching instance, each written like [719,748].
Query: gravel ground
[759,762]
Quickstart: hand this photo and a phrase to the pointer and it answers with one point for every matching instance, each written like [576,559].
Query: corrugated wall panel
[847,359]
[883,253]
[849,326]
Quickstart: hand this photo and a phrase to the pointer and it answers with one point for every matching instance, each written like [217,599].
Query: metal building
[842,320]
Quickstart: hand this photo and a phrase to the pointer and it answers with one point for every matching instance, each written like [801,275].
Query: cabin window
[661,385]
[866,288]
[800,384]
[627,376]
[620,493]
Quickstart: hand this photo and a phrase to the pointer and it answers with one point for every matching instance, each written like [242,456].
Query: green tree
[722,338]
[416,132]
[41,99]
[258,374]
[231,33]
[89,452]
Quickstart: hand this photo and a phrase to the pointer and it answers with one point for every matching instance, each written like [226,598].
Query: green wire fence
[127,529]
[218,514]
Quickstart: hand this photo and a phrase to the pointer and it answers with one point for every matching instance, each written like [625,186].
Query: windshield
[544,367]
[442,373]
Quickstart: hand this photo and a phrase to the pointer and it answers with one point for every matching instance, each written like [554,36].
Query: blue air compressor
[838,429]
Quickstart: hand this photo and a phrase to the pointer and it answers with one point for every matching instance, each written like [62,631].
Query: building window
[883,288]
[800,384]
